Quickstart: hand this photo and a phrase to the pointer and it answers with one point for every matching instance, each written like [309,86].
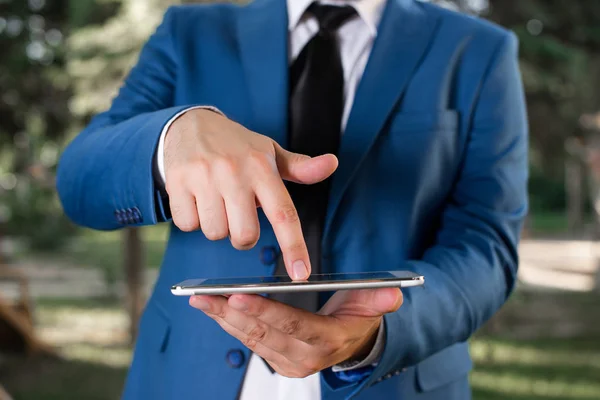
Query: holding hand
[297,343]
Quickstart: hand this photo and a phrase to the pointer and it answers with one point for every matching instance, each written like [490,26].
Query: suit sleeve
[471,269]
[105,176]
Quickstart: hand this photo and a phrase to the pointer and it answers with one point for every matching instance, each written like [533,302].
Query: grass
[514,370]
[540,369]
[553,223]
[36,379]
[91,336]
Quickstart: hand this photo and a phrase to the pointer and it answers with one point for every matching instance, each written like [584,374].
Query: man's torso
[400,155]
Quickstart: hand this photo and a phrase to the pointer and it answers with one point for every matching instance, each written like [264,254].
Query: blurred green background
[61,61]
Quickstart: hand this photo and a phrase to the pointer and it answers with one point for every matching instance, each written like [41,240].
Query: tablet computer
[316,283]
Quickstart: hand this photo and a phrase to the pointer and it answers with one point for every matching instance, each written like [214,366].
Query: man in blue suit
[400,131]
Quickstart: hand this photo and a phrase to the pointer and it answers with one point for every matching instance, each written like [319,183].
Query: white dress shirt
[356,37]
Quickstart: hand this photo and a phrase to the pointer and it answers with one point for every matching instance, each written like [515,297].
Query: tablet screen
[285,280]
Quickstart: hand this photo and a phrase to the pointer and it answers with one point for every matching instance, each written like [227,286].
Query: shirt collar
[369,11]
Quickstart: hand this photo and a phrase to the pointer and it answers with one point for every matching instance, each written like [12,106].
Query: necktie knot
[330,17]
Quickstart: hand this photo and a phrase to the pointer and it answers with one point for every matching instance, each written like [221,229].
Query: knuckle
[295,248]
[188,226]
[257,333]
[199,173]
[175,180]
[249,343]
[329,348]
[226,166]
[258,309]
[291,326]
[184,224]
[221,313]
[213,227]
[296,158]
[208,215]
[215,233]
[260,161]
[313,339]
[286,213]
[245,240]
[201,164]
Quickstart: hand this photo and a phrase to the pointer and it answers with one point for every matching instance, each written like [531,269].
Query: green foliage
[34,116]
[560,57]
[99,56]
[64,60]
[547,193]
[84,13]
[31,40]
[35,216]
[49,86]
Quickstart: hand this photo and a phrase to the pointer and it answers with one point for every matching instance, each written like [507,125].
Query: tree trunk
[134,268]
[573,183]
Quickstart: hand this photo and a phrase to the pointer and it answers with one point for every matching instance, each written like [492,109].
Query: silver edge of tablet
[316,287]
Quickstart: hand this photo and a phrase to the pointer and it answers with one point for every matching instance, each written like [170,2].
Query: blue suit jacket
[432,179]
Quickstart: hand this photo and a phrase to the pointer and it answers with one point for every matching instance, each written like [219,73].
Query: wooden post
[134,268]
[574,176]
[573,182]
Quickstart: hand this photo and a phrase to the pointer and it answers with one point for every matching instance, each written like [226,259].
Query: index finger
[283,216]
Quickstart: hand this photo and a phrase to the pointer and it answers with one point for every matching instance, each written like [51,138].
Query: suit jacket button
[119,216]
[137,215]
[268,255]
[235,358]
[129,216]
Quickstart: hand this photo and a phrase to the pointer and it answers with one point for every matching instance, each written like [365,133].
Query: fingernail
[299,270]
[200,303]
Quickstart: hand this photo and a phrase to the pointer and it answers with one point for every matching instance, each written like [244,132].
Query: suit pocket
[148,373]
[423,122]
[157,326]
[444,367]
[420,154]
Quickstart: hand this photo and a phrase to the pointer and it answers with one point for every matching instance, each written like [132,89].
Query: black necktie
[316,106]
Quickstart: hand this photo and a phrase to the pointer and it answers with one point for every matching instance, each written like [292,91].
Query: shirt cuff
[371,360]
[160,152]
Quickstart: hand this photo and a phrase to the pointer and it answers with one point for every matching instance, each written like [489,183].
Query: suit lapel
[402,40]
[262,34]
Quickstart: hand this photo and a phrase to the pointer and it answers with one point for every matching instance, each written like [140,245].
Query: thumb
[303,169]
[364,303]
